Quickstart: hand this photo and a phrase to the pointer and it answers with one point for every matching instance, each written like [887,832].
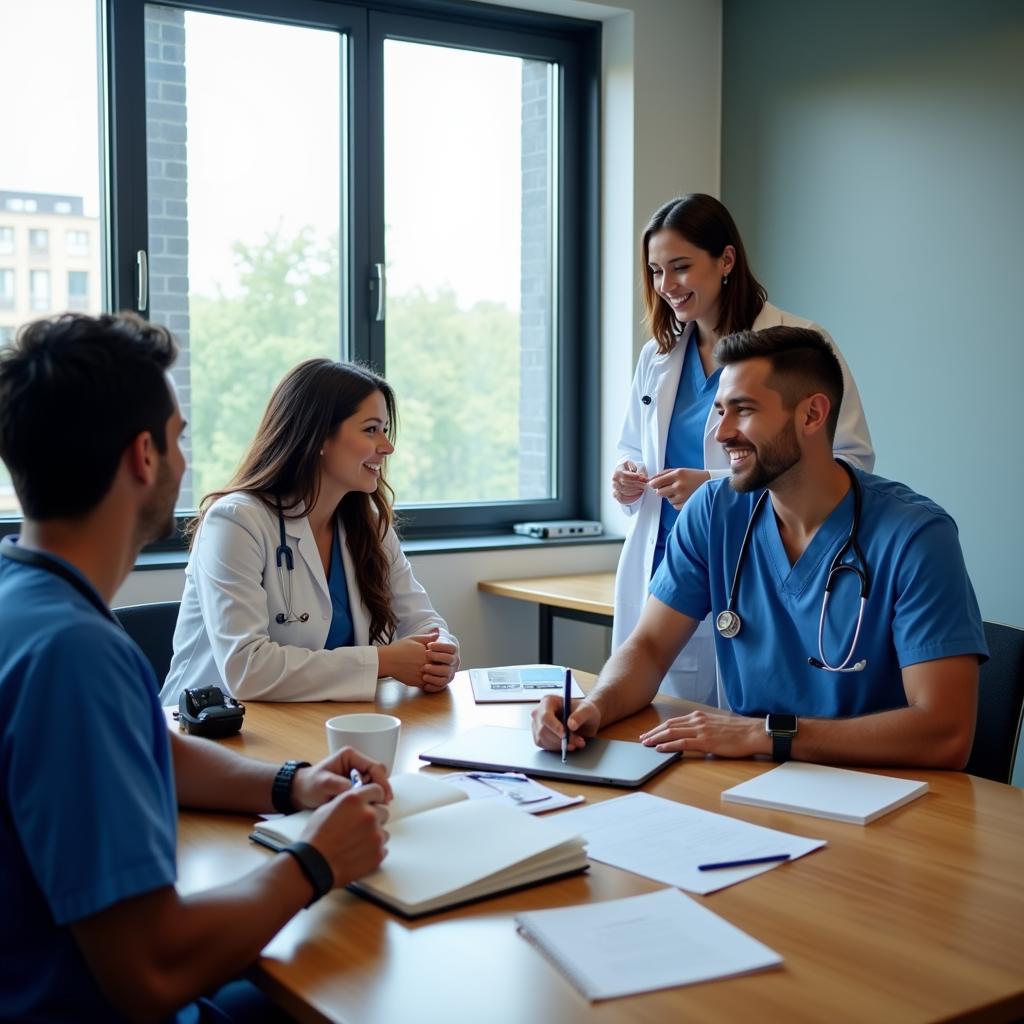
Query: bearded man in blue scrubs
[92,927]
[884,672]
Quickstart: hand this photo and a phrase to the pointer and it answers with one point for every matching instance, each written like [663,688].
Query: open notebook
[446,849]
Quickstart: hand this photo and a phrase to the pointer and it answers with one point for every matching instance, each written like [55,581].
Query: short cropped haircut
[803,363]
[74,393]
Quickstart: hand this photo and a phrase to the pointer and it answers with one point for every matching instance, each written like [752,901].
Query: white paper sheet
[666,841]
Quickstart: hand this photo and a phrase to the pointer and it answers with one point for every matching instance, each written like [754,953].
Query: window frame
[573,43]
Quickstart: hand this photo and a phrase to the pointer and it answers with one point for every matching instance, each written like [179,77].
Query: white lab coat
[643,439]
[227,633]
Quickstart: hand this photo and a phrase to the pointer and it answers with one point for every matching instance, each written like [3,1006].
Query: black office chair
[1000,700]
[151,626]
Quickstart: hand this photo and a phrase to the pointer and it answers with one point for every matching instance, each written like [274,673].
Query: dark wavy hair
[75,391]
[283,464]
[704,222]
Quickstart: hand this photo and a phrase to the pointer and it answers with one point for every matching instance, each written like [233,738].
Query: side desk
[584,597]
[916,917]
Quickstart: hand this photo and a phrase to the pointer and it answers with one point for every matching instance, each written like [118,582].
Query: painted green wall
[873,156]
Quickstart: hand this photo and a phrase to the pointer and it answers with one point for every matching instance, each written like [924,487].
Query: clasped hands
[701,731]
[676,485]
[428,661]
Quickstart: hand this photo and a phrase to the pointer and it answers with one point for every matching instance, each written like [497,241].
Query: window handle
[380,280]
[142,282]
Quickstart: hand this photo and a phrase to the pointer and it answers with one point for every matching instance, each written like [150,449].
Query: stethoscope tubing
[728,622]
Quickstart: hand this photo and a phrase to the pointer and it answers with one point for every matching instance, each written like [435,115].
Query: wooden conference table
[918,916]
[583,597]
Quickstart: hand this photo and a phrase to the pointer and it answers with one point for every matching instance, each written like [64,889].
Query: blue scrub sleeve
[936,612]
[89,774]
[682,580]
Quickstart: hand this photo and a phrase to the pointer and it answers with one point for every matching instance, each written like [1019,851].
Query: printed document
[667,841]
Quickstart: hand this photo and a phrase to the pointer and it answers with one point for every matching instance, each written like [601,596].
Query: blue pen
[566,709]
[743,863]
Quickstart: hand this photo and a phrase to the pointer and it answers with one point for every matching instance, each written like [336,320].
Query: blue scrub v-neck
[342,632]
[793,579]
[684,446]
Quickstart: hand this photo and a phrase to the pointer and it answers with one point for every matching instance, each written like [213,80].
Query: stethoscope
[728,622]
[286,561]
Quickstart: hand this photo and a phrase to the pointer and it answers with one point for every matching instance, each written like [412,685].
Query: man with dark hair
[847,628]
[92,927]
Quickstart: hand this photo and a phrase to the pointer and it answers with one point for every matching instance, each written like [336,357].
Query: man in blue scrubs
[92,927]
[894,681]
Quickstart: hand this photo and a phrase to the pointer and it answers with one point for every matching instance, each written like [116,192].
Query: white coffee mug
[374,735]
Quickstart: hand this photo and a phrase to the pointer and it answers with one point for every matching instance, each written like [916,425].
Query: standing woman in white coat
[296,586]
[697,288]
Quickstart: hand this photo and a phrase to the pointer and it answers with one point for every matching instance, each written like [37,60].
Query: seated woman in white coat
[296,586]
[697,287]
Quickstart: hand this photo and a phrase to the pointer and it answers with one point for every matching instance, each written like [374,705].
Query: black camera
[208,712]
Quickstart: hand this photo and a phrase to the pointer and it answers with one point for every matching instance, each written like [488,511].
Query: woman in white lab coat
[296,586]
[697,288]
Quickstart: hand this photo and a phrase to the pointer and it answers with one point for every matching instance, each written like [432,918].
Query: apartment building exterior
[49,258]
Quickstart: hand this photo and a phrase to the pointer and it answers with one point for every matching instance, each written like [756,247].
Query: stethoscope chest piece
[728,623]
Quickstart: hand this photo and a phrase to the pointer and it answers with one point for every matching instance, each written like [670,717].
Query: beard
[771,460]
[156,518]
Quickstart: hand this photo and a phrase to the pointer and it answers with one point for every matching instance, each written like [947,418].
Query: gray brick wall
[167,166]
[535,325]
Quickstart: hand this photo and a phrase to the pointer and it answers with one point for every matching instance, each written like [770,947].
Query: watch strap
[313,865]
[782,746]
[281,791]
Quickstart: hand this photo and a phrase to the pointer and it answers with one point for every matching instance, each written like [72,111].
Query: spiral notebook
[643,943]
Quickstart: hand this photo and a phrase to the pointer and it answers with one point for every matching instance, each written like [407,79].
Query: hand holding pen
[554,721]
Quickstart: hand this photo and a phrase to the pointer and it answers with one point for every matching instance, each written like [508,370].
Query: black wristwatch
[281,793]
[314,867]
[782,729]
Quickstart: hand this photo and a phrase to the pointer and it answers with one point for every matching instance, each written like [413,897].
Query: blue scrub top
[684,446]
[921,604]
[88,816]
[342,632]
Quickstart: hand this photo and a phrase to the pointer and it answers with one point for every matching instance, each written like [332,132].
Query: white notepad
[642,943]
[838,793]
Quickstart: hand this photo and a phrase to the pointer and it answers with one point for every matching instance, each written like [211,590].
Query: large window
[288,179]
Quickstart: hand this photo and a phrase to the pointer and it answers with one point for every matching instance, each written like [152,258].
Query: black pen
[743,863]
[565,713]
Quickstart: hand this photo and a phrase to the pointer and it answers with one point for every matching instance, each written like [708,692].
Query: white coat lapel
[668,369]
[301,537]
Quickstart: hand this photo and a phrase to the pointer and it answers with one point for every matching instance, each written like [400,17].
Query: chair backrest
[1000,700]
[151,626]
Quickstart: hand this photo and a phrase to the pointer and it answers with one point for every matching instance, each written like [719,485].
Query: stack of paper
[838,793]
[642,943]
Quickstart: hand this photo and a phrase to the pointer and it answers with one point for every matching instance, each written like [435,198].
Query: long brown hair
[704,222]
[283,464]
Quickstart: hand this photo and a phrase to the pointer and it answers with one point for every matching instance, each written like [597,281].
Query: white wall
[661,115]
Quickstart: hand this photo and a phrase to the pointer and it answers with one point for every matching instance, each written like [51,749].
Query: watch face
[781,724]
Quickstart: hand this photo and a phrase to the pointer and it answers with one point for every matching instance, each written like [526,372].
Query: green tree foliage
[456,378]
[455,373]
[242,345]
